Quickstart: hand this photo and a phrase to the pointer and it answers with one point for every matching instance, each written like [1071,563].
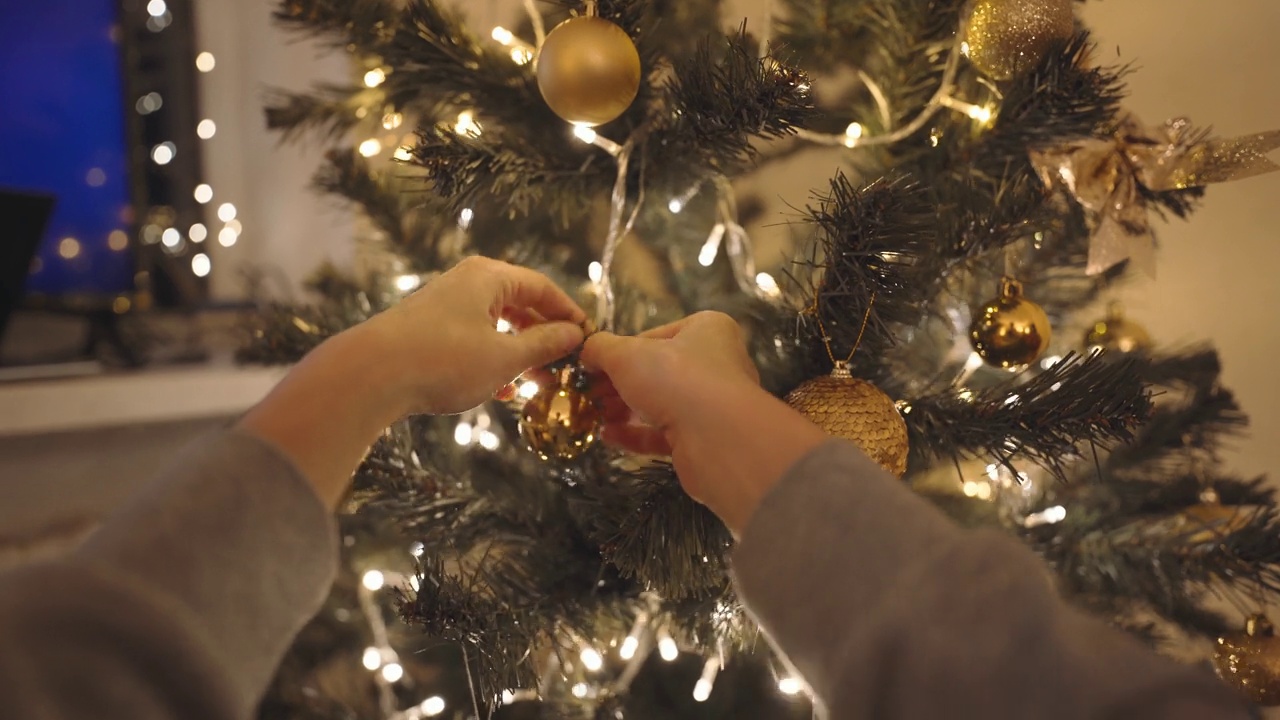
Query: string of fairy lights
[161,225]
[650,632]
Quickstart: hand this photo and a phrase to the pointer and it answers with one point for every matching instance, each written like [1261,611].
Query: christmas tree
[991,188]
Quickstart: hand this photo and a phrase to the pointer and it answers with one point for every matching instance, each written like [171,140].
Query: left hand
[439,346]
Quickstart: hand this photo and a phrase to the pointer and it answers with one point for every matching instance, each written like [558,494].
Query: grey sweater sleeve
[890,611]
[182,604]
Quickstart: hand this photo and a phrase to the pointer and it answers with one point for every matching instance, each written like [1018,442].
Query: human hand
[439,347]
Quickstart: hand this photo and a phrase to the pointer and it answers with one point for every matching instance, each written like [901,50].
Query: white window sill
[215,389]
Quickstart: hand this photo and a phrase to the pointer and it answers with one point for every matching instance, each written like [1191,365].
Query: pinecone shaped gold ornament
[855,410]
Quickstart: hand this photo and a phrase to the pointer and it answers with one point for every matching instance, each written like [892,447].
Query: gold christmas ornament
[1113,178]
[855,410]
[1010,331]
[588,70]
[1116,333]
[1250,661]
[560,422]
[1006,38]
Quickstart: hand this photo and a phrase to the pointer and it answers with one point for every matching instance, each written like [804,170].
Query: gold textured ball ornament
[1006,38]
[588,70]
[855,410]
[1116,333]
[560,422]
[1250,661]
[1010,331]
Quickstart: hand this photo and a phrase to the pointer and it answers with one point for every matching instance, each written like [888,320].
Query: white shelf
[148,396]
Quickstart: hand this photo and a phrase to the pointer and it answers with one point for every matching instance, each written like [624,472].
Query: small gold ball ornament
[1250,661]
[855,410]
[588,70]
[1006,38]
[560,422]
[1116,333]
[1010,331]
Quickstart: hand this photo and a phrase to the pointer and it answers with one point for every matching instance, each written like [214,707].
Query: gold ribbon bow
[1107,176]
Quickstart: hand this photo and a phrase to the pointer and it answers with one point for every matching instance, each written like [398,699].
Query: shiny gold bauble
[1010,331]
[1209,523]
[855,410]
[1006,38]
[560,422]
[588,70]
[1115,333]
[1250,661]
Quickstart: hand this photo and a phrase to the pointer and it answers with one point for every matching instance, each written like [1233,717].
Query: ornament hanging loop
[591,8]
[841,367]
[1010,289]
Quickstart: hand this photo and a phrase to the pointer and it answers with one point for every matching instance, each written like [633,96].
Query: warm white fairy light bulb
[462,433]
[488,440]
[767,284]
[667,648]
[675,205]
[466,124]
[370,147]
[853,134]
[371,659]
[790,686]
[432,706]
[392,671]
[407,282]
[375,77]
[595,271]
[373,580]
[206,129]
[503,35]
[580,690]
[503,325]
[707,255]
[203,193]
[205,62]
[629,647]
[527,389]
[201,265]
[591,659]
[585,133]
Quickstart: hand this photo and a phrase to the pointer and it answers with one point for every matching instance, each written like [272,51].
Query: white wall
[286,226]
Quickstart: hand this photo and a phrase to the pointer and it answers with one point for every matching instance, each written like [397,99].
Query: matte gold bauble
[855,410]
[1006,38]
[560,422]
[1250,661]
[588,70]
[1010,331]
[1115,333]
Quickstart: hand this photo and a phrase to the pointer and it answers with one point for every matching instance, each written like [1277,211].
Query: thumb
[606,352]
[538,345]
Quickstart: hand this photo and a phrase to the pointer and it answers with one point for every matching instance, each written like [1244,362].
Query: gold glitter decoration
[855,410]
[560,422]
[588,70]
[1116,333]
[1010,331]
[1111,178]
[1006,38]
[1250,661]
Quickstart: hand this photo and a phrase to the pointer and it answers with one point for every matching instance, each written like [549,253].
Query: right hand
[660,389]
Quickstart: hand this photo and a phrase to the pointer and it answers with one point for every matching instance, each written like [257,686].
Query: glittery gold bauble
[1006,38]
[588,70]
[1250,661]
[857,411]
[1115,333]
[560,422]
[1010,331]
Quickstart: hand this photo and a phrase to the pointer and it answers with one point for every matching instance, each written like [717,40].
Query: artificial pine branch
[1090,400]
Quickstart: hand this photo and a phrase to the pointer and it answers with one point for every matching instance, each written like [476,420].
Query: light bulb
[766,283]
[852,134]
[503,325]
[584,133]
[227,236]
[466,124]
[200,265]
[372,658]
[462,433]
[591,659]
[527,389]
[370,147]
[629,647]
[503,35]
[580,690]
[790,686]
[668,649]
[205,62]
[375,77]
[171,237]
[226,212]
[373,580]
[69,248]
[465,217]
[488,440]
[206,129]
[203,193]
[595,271]
[711,247]
[198,233]
[157,8]
[407,282]
[432,706]
[164,153]
[521,55]
[701,690]
[675,205]
[392,671]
